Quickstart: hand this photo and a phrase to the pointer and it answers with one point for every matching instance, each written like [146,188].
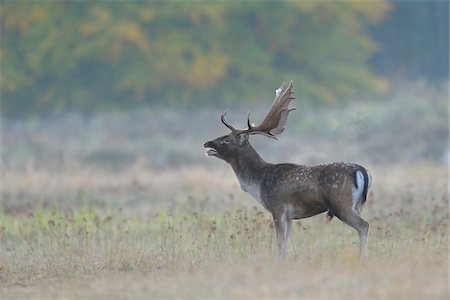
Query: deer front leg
[283,228]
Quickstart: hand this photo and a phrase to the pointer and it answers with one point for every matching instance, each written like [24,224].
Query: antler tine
[249,123]
[281,88]
[222,118]
[251,126]
[275,119]
[273,123]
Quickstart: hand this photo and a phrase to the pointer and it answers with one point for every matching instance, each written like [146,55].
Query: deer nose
[209,144]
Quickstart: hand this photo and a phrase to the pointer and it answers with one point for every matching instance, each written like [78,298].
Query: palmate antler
[273,123]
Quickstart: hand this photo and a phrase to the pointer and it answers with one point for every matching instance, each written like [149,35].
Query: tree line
[96,55]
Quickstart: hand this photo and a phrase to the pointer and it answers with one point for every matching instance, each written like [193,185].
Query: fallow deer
[290,191]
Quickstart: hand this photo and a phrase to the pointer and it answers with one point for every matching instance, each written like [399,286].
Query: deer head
[225,147]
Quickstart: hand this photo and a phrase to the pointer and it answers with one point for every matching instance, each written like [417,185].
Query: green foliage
[57,55]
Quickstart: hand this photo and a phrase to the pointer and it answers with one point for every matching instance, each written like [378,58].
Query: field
[213,241]
[109,208]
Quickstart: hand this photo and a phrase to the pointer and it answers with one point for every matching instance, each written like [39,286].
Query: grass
[123,206]
[84,233]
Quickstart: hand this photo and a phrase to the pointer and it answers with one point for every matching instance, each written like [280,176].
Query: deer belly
[305,207]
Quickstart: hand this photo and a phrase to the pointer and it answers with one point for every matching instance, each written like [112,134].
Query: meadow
[214,241]
[127,207]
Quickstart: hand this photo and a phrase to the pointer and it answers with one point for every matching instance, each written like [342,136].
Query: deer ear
[242,138]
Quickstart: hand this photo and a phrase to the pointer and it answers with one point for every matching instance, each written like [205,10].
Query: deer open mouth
[211,152]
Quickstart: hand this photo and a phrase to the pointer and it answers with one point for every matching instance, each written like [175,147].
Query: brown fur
[290,191]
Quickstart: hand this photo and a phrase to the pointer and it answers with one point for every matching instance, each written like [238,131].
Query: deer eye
[225,141]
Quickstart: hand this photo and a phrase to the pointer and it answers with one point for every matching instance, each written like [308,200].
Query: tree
[57,55]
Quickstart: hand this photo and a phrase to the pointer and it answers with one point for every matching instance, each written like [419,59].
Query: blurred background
[106,105]
[111,86]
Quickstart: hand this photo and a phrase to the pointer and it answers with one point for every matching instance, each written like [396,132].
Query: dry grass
[84,233]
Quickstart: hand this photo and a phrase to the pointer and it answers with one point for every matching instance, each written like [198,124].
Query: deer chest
[253,188]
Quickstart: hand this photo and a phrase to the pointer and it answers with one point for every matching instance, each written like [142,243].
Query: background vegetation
[92,56]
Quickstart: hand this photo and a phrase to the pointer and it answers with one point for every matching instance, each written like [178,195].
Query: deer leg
[283,228]
[363,232]
[354,220]
[363,239]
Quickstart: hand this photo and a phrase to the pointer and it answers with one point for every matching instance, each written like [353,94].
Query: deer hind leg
[352,218]
[362,227]
[283,228]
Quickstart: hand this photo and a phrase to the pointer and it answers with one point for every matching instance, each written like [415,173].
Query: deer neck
[248,166]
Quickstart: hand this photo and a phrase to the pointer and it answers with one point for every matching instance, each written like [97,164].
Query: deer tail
[361,187]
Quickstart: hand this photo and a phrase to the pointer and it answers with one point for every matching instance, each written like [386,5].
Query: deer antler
[273,123]
[222,118]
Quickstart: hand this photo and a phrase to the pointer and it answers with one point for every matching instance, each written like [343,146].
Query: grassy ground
[84,233]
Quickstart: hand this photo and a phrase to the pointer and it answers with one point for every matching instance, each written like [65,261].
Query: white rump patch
[358,190]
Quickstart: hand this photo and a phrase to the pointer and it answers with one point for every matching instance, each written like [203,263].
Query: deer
[290,191]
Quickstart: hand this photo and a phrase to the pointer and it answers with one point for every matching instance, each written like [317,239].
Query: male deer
[290,191]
